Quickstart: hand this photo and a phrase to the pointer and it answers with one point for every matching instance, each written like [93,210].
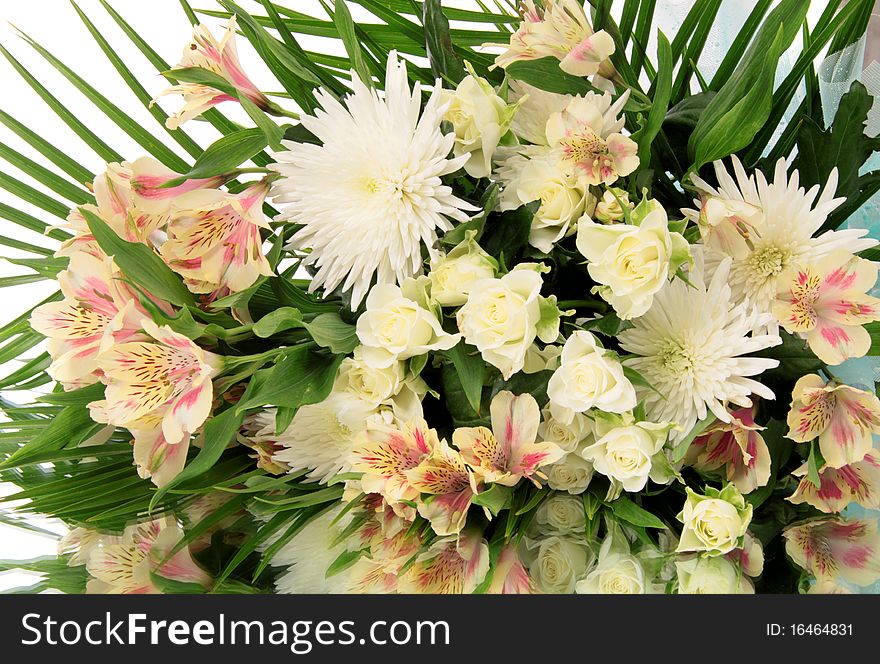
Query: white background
[55,25]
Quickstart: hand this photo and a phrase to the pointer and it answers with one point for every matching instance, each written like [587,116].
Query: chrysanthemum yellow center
[768,262]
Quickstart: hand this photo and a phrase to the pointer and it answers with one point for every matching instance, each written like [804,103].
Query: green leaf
[330,331]
[496,498]
[277,321]
[301,377]
[743,104]
[545,74]
[70,426]
[684,444]
[343,561]
[471,371]
[438,43]
[219,431]
[663,82]
[626,510]
[139,263]
[225,155]
[346,27]
[844,146]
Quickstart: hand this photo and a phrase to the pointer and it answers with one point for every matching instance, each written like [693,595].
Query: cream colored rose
[479,118]
[711,576]
[625,453]
[558,564]
[503,316]
[567,436]
[396,327]
[561,514]
[451,276]
[716,522]
[611,207]
[572,473]
[616,574]
[632,262]
[588,377]
[562,196]
[373,385]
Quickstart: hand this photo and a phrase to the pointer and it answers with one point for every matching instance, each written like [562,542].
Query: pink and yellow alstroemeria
[842,417]
[157,459]
[508,452]
[115,206]
[560,28]
[219,57]
[126,564]
[390,544]
[587,135]
[451,566]
[832,547]
[738,447]
[214,239]
[451,487]
[168,377]
[857,482]
[98,311]
[385,453]
[509,575]
[826,303]
[149,190]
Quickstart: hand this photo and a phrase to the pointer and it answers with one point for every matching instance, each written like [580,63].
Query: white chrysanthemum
[371,193]
[320,436]
[308,555]
[691,346]
[767,227]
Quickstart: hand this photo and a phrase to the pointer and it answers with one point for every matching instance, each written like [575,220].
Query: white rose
[716,522]
[558,564]
[615,574]
[711,576]
[588,378]
[372,384]
[624,454]
[395,327]
[571,473]
[563,198]
[451,276]
[561,514]
[567,436]
[632,262]
[503,316]
[479,118]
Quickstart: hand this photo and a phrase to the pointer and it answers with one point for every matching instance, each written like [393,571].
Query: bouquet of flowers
[500,301]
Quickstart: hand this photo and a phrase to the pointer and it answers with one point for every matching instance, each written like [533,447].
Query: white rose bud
[559,563]
[711,576]
[572,473]
[716,522]
[567,436]
[452,275]
[588,377]
[610,208]
[396,327]
[561,514]
[632,262]
[503,316]
[480,119]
